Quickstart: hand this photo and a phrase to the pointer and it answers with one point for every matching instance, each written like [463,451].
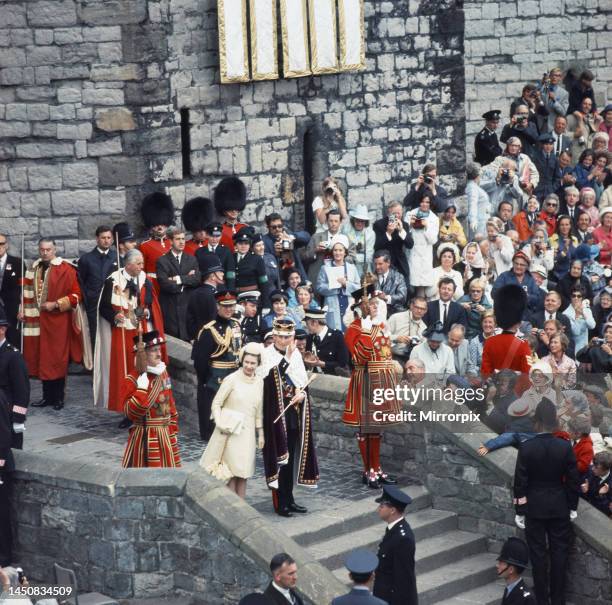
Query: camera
[359,247]
[286,244]
[504,179]
[521,120]
[597,342]
[428,179]
[585,303]
[330,190]
[392,219]
[473,306]
[20,575]
[326,245]
[415,340]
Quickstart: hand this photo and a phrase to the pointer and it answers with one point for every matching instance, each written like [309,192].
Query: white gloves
[366,323]
[519,521]
[18,427]
[573,515]
[143,382]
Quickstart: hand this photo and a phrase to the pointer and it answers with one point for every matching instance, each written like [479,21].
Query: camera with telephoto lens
[330,190]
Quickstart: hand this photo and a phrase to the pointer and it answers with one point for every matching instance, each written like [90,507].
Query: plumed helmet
[197,213]
[230,194]
[157,209]
[515,552]
[509,304]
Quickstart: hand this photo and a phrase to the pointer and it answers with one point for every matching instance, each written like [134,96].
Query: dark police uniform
[360,563]
[14,398]
[519,595]
[10,295]
[395,580]
[546,488]
[331,349]
[251,271]
[515,553]
[227,262]
[547,166]
[252,327]
[486,143]
[215,355]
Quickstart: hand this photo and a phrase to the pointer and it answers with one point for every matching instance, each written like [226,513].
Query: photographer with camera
[583,123]
[361,238]
[531,97]
[598,354]
[521,128]
[554,96]
[501,249]
[407,327]
[581,317]
[331,198]
[427,184]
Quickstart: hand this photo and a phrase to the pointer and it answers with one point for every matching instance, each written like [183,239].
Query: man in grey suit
[554,96]
[361,565]
[391,283]
[460,348]
[178,274]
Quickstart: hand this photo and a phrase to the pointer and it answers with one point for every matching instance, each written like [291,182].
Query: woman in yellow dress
[237,410]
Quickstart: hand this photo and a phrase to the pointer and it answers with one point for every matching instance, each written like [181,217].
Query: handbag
[230,421]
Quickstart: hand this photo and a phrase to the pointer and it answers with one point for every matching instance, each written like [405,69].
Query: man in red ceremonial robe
[157,212]
[127,299]
[196,214]
[53,335]
[369,344]
[230,200]
[149,404]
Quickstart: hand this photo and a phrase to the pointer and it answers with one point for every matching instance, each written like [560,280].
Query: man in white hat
[361,238]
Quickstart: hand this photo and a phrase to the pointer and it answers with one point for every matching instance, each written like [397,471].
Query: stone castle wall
[92,92]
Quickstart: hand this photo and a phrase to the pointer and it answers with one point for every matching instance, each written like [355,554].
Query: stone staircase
[453,566]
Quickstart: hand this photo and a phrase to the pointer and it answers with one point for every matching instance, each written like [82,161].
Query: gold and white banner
[352,34]
[295,38]
[323,45]
[264,57]
[233,42]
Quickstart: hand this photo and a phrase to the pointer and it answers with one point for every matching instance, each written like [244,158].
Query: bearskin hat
[230,194]
[157,209]
[509,304]
[197,213]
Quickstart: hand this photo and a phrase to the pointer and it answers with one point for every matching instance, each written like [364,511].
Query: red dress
[153,438]
[151,250]
[373,369]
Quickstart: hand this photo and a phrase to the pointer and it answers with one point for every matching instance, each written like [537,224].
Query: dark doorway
[186,142]
[308,161]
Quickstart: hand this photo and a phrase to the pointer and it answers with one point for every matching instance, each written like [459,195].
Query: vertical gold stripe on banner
[295,43]
[233,41]
[348,12]
[323,45]
[264,36]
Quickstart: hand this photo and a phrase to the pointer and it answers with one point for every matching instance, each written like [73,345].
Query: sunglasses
[576,295]
[553,205]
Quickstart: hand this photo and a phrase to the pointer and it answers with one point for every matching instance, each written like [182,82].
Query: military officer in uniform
[326,350]
[486,143]
[511,564]
[361,565]
[395,580]
[251,323]
[251,271]
[215,355]
[14,397]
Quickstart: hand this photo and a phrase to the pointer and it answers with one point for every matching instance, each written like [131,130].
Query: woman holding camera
[475,304]
[331,197]
[563,244]
[424,227]
[361,238]
[580,316]
[238,413]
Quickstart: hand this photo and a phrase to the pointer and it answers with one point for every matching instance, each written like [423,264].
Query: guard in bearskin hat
[157,211]
[196,214]
[230,200]
[511,563]
[506,350]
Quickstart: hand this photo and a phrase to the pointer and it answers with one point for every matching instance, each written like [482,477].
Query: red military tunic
[505,351]
[51,338]
[192,246]
[227,233]
[153,438]
[371,347]
[151,250]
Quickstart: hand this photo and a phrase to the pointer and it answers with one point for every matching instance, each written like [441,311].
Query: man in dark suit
[547,165]
[284,244]
[445,310]
[178,275]
[391,283]
[393,234]
[486,143]
[546,490]
[326,349]
[93,269]
[570,204]
[281,590]
[552,304]
[511,563]
[562,140]
[224,254]
[538,112]
[202,306]
[11,271]
[361,565]
[251,271]
[395,580]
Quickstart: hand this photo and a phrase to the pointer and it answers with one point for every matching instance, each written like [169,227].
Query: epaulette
[209,324]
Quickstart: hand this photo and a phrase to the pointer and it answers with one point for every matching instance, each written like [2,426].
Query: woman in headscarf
[574,279]
[473,265]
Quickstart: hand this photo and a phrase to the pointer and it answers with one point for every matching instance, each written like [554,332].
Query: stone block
[102,553]
[148,92]
[153,141]
[122,171]
[10,204]
[44,150]
[13,15]
[115,119]
[118,584]
[369,155]
[82,131]
[68,94]
[151,584]
[102,34]
[52,13]
[15,129]
[59,227]
[43,55]
[80,175]
[102,96]
[144,44]
[69,35]
[107,147]
[79,53]
[112,201]
[112,12]
[86,201]
[12,57]
[113,73]
[36,204]
[261,128]
[45,176]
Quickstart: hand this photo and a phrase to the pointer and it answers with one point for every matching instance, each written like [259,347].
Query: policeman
[213,234]
[547,164]
[215,355]
[486,143]
[251,323]
[395,580]
[250,267]
[511,563]
[14,398]
[361,565]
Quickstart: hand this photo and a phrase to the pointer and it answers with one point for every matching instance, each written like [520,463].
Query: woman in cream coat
[230,453]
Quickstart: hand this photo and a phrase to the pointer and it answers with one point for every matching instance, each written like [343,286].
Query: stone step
[451,580]
[354,516]
[437,551]
[488,594]
[424,523]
